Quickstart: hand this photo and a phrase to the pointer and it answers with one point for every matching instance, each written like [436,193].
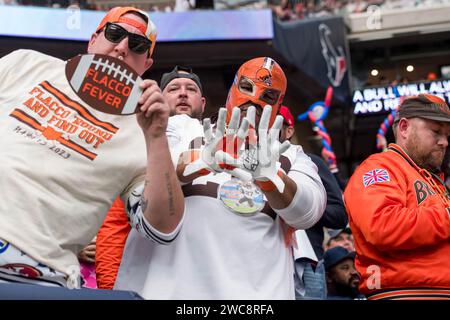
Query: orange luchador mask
[259,81]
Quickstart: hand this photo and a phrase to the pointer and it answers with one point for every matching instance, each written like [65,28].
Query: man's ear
[148,63]
[403,126]
[203,104]
[290,133]
[91,42]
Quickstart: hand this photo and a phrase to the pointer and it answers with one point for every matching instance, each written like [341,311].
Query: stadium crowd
[284,9]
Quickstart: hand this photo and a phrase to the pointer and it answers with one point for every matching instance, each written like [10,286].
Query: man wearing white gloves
[245,193]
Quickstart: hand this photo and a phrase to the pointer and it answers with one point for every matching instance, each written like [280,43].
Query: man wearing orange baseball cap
[86,158]
[128,34]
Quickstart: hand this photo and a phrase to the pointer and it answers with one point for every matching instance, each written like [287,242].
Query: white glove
[260,160]
[229,139]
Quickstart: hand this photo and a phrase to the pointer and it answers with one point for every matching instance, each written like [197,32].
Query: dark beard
[346,290]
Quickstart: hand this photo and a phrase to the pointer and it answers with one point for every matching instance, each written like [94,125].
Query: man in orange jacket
[183,92]
[398,208]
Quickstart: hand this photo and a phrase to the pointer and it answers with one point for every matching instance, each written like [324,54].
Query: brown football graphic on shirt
[105,83]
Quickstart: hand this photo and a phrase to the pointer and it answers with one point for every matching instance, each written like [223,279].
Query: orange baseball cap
[116,15]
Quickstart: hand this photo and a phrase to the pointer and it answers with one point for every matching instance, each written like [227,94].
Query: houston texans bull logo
[334,56]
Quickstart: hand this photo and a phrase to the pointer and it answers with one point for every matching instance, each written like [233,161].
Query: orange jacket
[110,243]
[400,224]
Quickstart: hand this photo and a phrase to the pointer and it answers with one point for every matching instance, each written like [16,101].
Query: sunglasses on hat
[136,43]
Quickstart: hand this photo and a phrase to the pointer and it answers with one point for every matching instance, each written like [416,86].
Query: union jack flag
[375,176]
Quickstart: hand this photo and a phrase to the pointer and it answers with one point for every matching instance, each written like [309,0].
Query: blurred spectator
[8,2]
[184,5]
[310,10]
[309,273]
[342,277]
[283,10]
[331,7]
[334,216]
[356,6]
[342,237]
[305,9]
[235,4]
[61,3]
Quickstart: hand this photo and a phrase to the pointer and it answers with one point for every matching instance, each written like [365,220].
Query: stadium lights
[410,68]
[374,72]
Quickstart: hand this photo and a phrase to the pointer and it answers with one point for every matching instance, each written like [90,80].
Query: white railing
[380,22]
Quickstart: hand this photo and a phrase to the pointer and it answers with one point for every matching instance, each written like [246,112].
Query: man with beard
[398,208]
[183,92]
[341,275]
[226,250]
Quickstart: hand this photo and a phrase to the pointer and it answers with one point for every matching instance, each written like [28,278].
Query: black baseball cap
[175,73]
[335,255]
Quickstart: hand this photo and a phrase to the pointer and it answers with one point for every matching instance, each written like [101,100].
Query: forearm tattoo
[170,194]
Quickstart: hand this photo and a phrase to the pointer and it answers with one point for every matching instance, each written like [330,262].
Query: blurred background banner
[77,24]
[317,47]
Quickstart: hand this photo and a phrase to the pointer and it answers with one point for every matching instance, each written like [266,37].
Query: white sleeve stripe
[142,225]
[149,235]
[161,237]
[150,232]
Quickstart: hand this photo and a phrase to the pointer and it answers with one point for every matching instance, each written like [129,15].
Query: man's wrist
[156,143]
[266,185]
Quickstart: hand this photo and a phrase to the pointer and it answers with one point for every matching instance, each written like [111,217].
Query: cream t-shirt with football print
[62,163]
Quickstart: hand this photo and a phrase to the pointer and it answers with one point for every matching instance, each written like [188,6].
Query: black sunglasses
[136,43]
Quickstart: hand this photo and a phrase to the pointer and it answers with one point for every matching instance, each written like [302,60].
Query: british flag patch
[375,176]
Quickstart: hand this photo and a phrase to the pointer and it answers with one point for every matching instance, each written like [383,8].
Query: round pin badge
[105,83]
[244,199]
